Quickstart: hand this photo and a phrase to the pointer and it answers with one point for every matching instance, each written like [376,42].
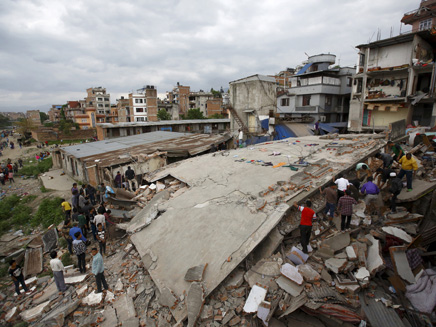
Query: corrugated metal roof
[378,314]
[181,146]
[165,123]
[93,148]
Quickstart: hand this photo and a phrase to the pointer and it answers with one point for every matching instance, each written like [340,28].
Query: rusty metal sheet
[378,314]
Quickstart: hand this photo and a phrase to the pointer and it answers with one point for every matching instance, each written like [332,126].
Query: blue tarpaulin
[304,69]
[282,131]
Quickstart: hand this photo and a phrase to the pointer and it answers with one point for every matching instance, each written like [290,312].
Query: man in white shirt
[58,272]
[100,219]
[342,184]
[240,138]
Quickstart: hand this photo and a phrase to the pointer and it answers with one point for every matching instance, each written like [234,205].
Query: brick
[235,321]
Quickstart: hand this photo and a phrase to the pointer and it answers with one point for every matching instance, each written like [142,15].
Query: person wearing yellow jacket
[409,167]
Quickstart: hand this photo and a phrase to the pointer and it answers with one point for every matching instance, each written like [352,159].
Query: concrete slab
[268,245]
[34,313]
[54,180]
[61,311]
[291,272]
[397,232]
[50,240]
[420,188]
[124,307]
[110,317]
[93,299]
[337,242]
[195,274]
[309,274]
[255,298]
[289,286]
[194,302]
[335,265]
[33,261]
[208,222]
[263,273]
[75,279]
[401,264]
[374,259]
[49,291]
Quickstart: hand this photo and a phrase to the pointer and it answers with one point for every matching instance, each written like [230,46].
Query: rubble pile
[197,250]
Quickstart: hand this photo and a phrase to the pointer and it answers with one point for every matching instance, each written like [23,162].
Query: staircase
[238,119]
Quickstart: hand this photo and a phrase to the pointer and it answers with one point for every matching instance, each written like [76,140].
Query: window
[84,120]
[100,105]
[99,99]
[328,100]
[425,24]
[139,101]
[306,100]
[101,112]
[359,85]
[139,109]
[362,59]
[349,81]
[106,99]
[115,119]
[284,102]
[106,105]
[140,118]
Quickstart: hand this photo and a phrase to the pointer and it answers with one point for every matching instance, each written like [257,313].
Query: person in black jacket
[130,176]
[395,189]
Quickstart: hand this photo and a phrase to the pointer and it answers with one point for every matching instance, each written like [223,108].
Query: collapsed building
[212,241]
[98,162]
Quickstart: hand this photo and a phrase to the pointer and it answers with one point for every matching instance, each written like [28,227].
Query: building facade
[33,116]
[395,77]
[252,99]
[143,104]
[317,90]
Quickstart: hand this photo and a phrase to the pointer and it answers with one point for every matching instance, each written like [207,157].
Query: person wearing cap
[382,175]
[409,166]
[395,188]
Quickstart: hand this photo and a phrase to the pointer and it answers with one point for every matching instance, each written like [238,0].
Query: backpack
[396,185]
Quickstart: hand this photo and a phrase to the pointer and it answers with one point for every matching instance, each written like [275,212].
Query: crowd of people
[8,170]
[342,194]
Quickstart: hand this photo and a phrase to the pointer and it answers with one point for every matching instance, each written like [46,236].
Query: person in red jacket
[307,215]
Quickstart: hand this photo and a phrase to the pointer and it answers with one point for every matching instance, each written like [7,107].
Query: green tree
[43,117]
[194,114]
[66,126]
[62,114]
[4,121]
[216,94]
[163,115]
[25,126]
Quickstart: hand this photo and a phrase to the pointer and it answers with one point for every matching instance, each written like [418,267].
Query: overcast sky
[52,50]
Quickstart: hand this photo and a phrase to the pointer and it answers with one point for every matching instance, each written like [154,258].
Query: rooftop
[165,123]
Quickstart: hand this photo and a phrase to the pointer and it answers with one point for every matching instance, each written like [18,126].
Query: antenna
[369,40]
[307,55]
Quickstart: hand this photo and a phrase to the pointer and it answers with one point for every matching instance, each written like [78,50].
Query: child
[58,272]
[101,237]
[79,248]
[11,176]
[17,276]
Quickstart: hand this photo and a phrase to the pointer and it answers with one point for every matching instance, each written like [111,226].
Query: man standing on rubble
[409,166]
[98,270]
[395,188]
[130,176]
[331,198]
[372,194]
[345,207]
[79,248]
[342,184]
[307,215]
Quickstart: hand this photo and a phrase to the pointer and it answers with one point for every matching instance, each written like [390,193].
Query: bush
[66,259]
[21,214]
[49,212]
[62,243]
[7,205]
[34,170]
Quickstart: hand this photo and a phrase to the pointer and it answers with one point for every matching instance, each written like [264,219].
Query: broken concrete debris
[219,270]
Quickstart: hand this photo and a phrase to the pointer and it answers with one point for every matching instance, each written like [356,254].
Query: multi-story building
[423,18]
[395,77]
[123,110]
[283,78]
[180,97]
[33,115]
[143,104]
[317,90]
[14,115]
[252,99]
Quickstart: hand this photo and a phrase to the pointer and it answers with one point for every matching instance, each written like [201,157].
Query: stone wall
[53,134]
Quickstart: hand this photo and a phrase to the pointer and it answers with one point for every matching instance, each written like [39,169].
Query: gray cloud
[51,51]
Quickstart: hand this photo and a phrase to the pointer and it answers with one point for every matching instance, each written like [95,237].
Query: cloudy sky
[52,50]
